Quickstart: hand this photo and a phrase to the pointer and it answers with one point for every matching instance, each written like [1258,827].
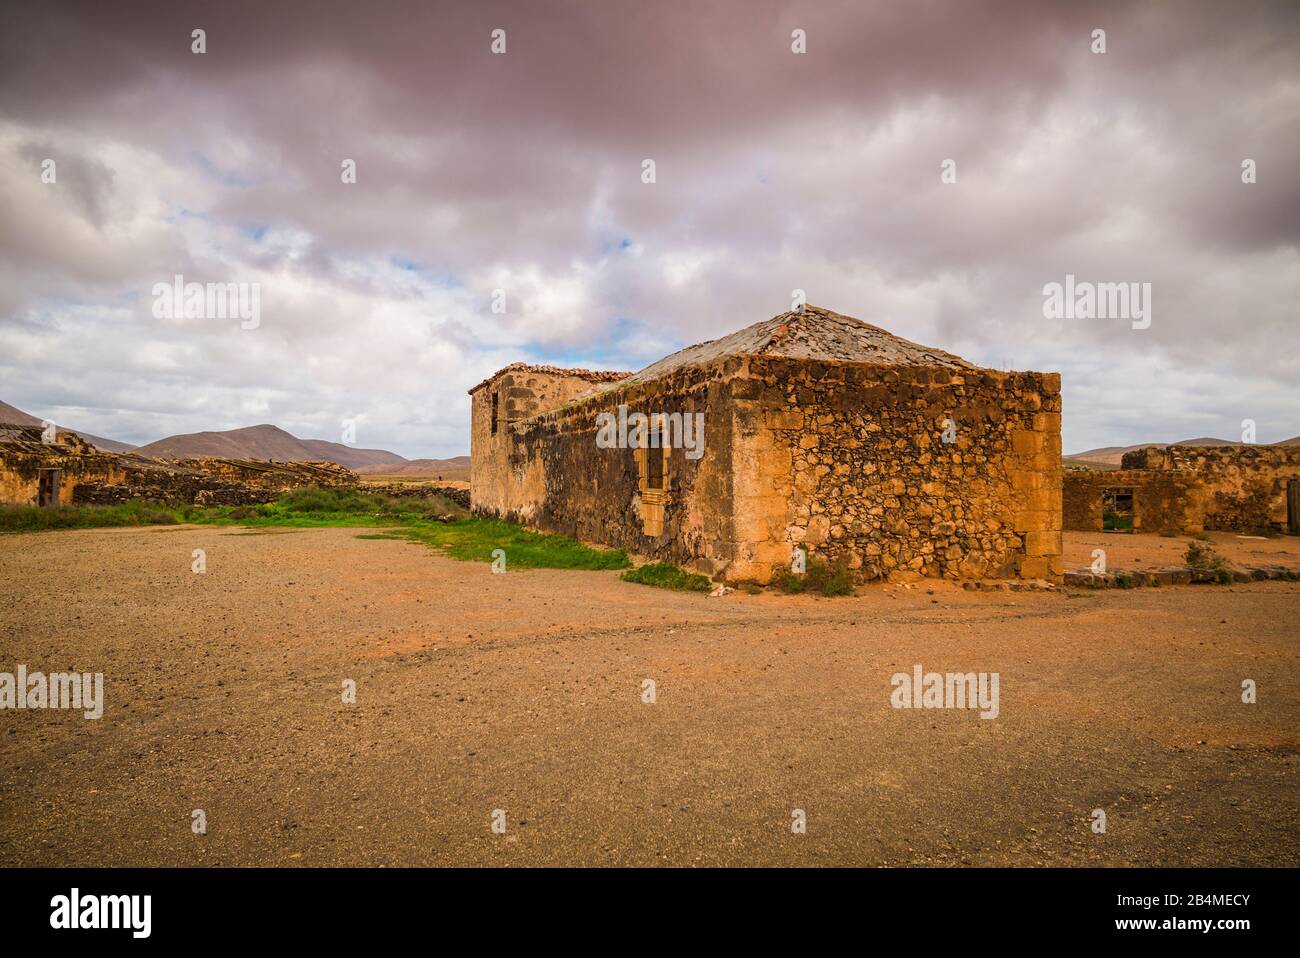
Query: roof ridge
[595,375]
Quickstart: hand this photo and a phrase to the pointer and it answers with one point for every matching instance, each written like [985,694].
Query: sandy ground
[1147,552]
[522,692]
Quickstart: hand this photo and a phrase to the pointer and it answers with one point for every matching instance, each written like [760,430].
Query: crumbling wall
[553,475]
[423,491]
[90,476]
[23,455]
[1240,488]
[849,462]
[521,392]
[195,490]
[277,476]
[1162,501]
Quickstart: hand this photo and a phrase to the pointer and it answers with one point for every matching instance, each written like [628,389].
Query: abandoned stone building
[68,470]
[816,432]
[1181,489]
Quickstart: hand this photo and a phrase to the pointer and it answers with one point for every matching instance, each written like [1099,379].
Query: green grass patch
[17,518]
[475,539]
[436,521]
[664,575]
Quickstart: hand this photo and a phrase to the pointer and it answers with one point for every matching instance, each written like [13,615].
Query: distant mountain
[455,468]
[352,457]
[265,442]
[1110,456]
[13,414]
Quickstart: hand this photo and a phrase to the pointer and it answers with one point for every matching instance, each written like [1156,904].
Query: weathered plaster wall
[551,474]
[847,461]
[521,393]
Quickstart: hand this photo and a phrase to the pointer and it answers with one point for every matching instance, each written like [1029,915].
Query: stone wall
[551,474]
[90,476]
[844,459]
[847,460]
[193,490]
[1162,501]
[23,455]
[521,392]
[1236,488]
[402,490]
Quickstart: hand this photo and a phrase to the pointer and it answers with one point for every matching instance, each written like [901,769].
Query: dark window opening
[654,462]
[1117,510]
[494,413]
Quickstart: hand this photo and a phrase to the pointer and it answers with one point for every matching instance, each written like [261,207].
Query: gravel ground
[522,692]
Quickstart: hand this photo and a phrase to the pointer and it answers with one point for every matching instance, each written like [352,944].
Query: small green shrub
[787,581]
[1202,557]
[821,576]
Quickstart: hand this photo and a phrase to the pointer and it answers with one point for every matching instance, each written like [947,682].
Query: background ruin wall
[1192,489]
[1162,501]
[92,477]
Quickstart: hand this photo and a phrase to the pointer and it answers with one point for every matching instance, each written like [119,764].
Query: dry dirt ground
[523,692]
[1145,553]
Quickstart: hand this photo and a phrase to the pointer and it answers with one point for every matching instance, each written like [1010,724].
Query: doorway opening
[47,488]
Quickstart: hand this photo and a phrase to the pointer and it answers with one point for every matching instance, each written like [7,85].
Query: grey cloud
[775,171]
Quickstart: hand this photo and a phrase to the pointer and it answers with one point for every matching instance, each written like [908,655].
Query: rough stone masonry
[821,433]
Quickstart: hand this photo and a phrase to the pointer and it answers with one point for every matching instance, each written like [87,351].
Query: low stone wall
[409,491]
[1162,501]
[90,476]
[198,492]
[1192,489]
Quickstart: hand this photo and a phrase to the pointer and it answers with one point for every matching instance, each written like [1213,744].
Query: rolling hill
[265,442]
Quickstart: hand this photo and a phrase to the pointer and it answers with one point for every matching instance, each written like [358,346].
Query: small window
[654,460]
[495,408]
[1117,510]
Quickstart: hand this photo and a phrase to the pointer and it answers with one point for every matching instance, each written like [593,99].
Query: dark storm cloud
[522,172]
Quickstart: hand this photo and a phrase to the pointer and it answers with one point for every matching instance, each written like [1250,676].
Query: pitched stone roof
[595,375]
[813,333]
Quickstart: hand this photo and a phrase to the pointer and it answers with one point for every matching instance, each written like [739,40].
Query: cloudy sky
[522,172]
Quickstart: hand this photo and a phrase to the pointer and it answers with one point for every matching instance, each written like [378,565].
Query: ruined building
[69,470]
[1181,489]
[810,431]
